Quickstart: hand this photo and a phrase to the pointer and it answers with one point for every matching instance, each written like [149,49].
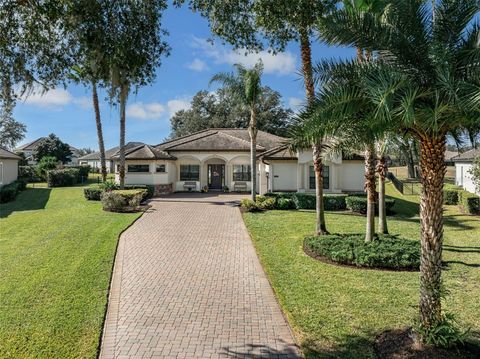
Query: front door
[216,176]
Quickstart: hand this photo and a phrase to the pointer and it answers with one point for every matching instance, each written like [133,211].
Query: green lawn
[56,256]
[337,311]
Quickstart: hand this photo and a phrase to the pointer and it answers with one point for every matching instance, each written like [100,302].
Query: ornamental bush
[83,172]
[28,173]
[334,202]
[93,193]
[470,202]
[122,200]
[150,190]
[265,202]
[10,191]
[358,204]
[384,252]
[285,203]
[249,205]
[304,201]
[450,196]
[62,178]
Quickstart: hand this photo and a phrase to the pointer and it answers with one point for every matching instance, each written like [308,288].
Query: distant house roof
[145,152]
[32,146]
[283,153]
[468,156]
[222,139]
[449,155]
[95,156]
[6,154]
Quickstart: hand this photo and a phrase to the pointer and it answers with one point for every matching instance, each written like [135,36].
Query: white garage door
[284,176]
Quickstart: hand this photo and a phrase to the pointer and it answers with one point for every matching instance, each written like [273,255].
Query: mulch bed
[400,344]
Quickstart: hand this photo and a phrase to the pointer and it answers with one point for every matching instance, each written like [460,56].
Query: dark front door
[216,176]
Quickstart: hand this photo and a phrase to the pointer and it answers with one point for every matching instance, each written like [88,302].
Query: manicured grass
[56,256]
[337,311]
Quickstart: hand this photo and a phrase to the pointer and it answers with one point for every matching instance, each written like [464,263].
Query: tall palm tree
[246,85]
[425,82]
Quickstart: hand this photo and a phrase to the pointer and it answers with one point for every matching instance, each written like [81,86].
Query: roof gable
[145,152]
[8,155]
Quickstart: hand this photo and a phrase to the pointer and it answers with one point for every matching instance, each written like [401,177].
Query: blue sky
[68,112]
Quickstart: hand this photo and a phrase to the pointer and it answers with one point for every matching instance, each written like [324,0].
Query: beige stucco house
[93,159]
[8,167]
[218,159]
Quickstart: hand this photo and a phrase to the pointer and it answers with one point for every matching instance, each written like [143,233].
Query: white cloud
[197,65]
[295,103]
[283,63]
[84,102]
[52,99]
[148,111]
[177,105]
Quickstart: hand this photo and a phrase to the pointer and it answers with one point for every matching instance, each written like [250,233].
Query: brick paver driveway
[188,284]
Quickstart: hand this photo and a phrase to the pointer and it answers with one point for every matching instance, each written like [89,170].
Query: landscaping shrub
[265,202]
[28,173]
[93,193]
[62,178]
[384,252]
[249,205]
[470,202]
[150,190]
[304,201]
[10,191]
[450,196]
[109,185]
[83,172]
[122,200]
[358,204]
[334,202]
[285,203]
[46,164]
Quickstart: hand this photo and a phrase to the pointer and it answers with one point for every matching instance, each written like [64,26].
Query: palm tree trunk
[382,210]
[432,151]
[253,130]
[98,121]
[370,188]
[123,103]
[306,55]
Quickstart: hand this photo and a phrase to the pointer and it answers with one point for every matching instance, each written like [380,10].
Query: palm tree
[425,83]
[245,84]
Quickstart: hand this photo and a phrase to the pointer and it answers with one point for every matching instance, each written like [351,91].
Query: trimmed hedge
[470,202]
[93,193]
[150,190]
[83,172]
[358,204]
[285,204]
[62,178]
[335,202]
[122,200]
[331,202]
[249,205]
[451,195]
[351,249]
[10,191]
[304,201]
[28,173]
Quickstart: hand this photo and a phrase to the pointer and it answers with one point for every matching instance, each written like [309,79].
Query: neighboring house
[219,158]
[463,165]
[8,166]
[30,148]
[93,159]
[449,156]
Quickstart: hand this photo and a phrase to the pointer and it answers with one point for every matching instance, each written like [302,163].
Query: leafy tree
[222,110]
[245,85]
[34,49]
[46,164]
[52,146]
[475,172]
[135,34]
[11,131]
[424,82]
[84,151]
[247,23]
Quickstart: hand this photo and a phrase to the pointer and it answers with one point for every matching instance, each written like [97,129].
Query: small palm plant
[246,86]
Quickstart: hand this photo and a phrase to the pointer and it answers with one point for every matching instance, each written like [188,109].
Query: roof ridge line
[193,139]
[241,139]
[182,137]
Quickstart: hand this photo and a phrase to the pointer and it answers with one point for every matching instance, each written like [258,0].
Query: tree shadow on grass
[28,200]
[461,249]
[352,346]
[260,351]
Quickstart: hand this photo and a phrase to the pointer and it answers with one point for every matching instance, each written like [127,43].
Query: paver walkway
[187,284]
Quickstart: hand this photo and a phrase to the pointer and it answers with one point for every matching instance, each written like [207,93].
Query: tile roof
[8,155]
[145,152]
[222,139]
[468,156]
[32,146]
[110,152]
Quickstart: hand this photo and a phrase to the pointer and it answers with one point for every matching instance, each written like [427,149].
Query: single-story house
[93,159]
[220,158]
[8,166]
[30,148]
[463,166]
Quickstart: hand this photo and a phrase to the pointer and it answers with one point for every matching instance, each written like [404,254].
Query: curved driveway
[187,284]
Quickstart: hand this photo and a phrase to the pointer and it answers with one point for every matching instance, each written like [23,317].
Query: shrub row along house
[219,159]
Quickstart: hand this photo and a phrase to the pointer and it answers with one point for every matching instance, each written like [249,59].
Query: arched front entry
[216,173]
